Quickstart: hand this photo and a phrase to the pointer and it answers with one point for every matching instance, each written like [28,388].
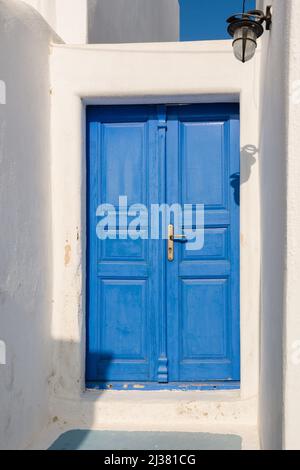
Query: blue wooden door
[203,285]
[150,320]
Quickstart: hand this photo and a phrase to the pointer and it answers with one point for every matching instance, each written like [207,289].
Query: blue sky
[206,19]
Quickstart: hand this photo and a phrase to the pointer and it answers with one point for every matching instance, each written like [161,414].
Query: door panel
[216,245]
[122,274]
[203,178]
[203,304]
[151,320]
[203,319]
[123,330]
[123,162]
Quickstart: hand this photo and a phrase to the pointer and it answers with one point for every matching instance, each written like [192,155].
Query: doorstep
[217,412]
[121,440]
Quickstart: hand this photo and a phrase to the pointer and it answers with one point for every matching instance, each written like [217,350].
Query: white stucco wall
[111,21]
[291,434]
[280,196]
[25,236]
[68,18]
[273,156]
[121,21]
[47,8]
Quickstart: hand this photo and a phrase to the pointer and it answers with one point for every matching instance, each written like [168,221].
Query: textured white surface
[25,236]
[111,21]
[120,21]
[291,437]
[273,127]
[68,18]
[280,196]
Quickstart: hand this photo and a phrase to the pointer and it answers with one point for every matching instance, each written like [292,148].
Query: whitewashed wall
[111,21]
[280,203]
[47,8]
[291,343]
[25,235]
[68,18]
[273,127]
[121,21]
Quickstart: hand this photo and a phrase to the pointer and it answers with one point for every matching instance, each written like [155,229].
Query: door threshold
[150,386]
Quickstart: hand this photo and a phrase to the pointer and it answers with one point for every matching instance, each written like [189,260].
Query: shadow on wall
[247,161]
[101,363]
[131,21]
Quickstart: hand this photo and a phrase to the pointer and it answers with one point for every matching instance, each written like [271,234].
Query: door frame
[143,74]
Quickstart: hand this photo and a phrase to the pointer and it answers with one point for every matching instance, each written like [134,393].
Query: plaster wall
[121,21]
[25,236]
[291,435]
[144,73]
[273,163]
[111,21]
[47,8]
[68,18]
[280,222]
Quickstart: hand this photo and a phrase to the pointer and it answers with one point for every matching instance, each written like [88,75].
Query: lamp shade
[245,28]
[244,43]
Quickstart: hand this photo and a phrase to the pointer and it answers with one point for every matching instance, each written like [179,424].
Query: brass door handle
[173,238]
[171,243]
[179,238]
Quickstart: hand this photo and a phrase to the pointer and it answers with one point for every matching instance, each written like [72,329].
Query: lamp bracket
[269,18]
[255,16]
